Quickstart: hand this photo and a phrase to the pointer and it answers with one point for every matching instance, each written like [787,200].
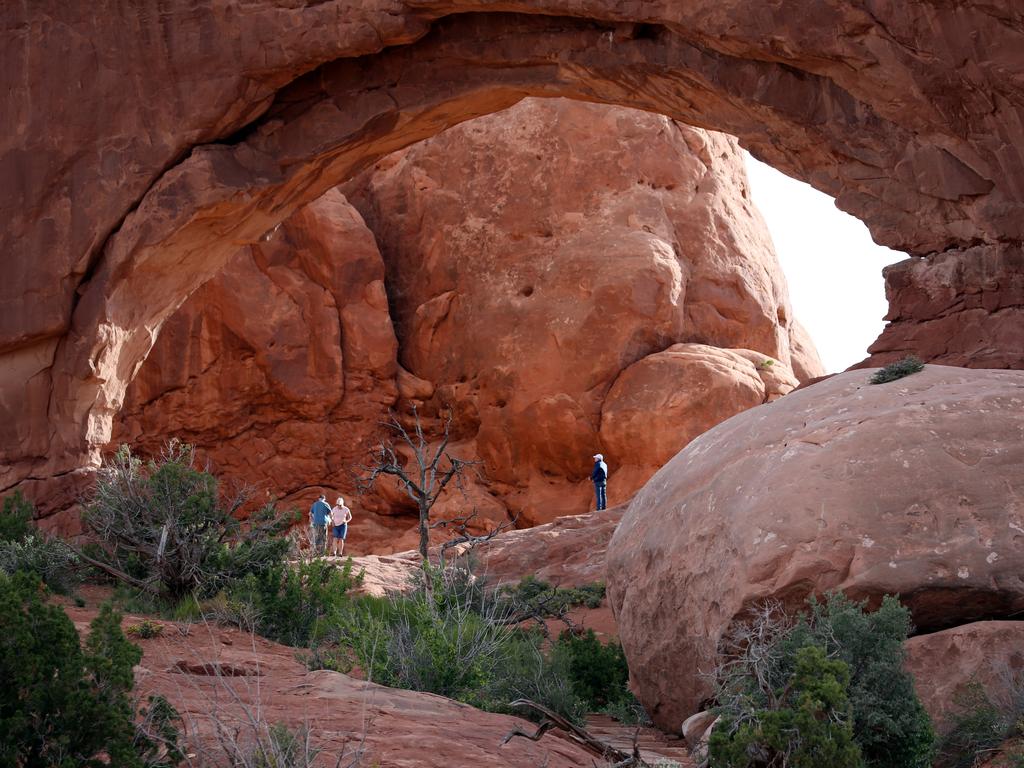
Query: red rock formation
[281,367]
[530,284]
[680,255]
[988,653]
[118,212]
[956,309]
[903,488]
[662,402]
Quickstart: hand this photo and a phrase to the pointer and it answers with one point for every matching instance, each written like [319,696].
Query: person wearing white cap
[599,476]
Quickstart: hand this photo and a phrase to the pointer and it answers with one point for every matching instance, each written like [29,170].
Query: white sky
[833,267]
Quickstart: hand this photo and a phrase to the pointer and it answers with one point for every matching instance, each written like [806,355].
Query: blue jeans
[599,491]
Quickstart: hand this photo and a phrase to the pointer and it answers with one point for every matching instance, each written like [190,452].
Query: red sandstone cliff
[567,278]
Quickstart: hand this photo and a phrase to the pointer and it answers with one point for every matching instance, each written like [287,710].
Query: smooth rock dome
[912,488]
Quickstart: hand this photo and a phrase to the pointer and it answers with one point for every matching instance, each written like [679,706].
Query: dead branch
[576,734]
[463,536]
[426,479]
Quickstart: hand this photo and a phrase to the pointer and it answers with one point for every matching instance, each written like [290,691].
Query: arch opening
[917,194]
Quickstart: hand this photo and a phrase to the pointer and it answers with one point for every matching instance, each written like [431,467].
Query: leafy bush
[453,638]
[157,738]
[628,711]
[889,725]
[527,671]
[897,370]
[50,559]
[977,727]
[162,527]
[983,719]
[16,518]
[597,671]
[807,724]
[63,705]
[296,605]
[24,548]
[145,629]
[442,638]
[537,596]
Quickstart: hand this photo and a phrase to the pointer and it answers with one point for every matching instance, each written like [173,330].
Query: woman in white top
[341,516]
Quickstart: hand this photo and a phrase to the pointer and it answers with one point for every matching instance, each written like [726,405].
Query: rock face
[281,367]
[908,488]
[956,309]
[989,653]
[541,322]
[541,265]
[908,114]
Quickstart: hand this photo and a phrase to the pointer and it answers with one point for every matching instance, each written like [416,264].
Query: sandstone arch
[909,116]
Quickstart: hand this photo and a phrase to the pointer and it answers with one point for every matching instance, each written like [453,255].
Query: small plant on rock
[897,370]
[145,629]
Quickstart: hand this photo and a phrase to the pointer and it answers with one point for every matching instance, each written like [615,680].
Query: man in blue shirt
[599,476]
[319,517]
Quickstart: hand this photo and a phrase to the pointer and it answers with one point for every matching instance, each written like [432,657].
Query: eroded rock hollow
[564,278]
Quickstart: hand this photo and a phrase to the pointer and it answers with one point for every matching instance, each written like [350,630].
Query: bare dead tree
[427,476]
[461,526]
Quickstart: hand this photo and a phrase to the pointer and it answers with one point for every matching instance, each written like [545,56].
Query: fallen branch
[577,735]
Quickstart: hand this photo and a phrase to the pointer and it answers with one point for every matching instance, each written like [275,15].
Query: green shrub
[24,548]
[597,671]
[452,638]
[63,705]
[889,725]
[281,747]
[897,370]
[978,726]
[295,605]
[533,595]
[161,527]
[16,518]
[808,725]
[157,738]
[627,710]
[50,559]
[441,638]
[145,629]
[527,671]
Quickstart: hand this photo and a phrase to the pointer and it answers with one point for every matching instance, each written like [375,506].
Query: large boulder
[540,263]
[663,401]
[989,654]
[911,488]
